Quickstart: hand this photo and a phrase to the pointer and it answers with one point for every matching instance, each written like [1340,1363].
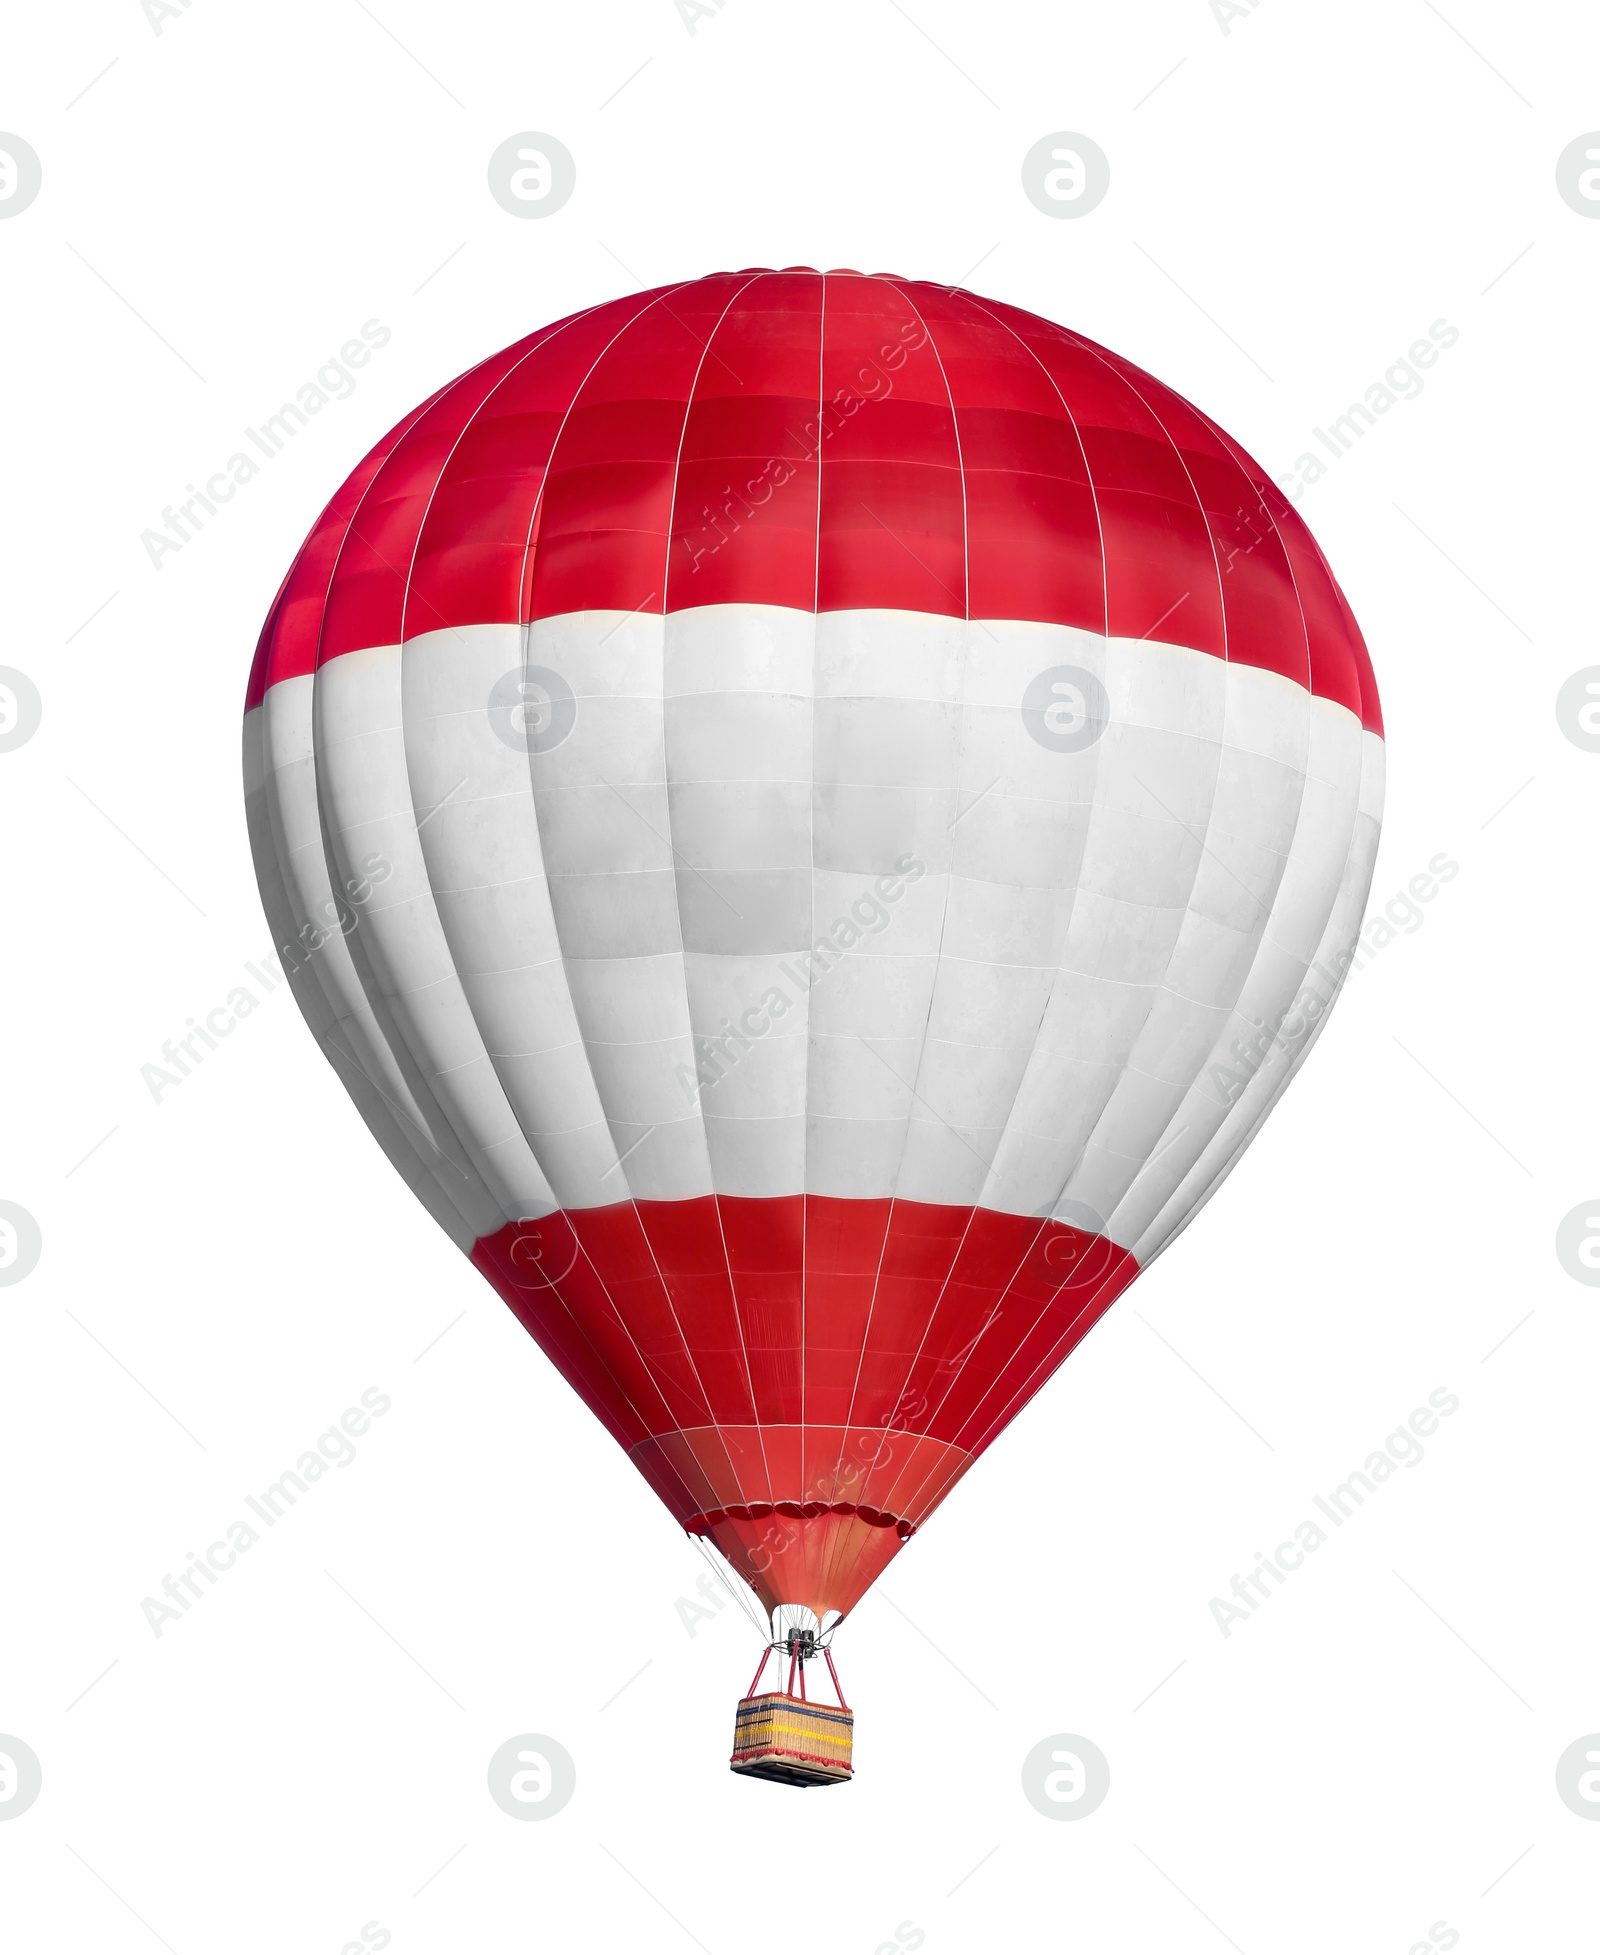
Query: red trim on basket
[775,1751]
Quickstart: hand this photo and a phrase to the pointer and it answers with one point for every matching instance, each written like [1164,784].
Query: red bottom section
[802,1380]
[822,1561]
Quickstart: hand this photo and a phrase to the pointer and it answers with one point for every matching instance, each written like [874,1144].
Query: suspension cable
[741,1595]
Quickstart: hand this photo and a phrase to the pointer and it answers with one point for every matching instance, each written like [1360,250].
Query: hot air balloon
[814,815]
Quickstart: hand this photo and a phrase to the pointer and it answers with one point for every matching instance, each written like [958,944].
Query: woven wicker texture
[777,1736]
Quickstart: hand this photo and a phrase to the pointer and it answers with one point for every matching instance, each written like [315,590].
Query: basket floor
[783,1770]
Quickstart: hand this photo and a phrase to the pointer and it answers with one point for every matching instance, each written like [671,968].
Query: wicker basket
[776,1736]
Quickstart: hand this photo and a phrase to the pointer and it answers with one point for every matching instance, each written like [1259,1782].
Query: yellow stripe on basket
[799,1731]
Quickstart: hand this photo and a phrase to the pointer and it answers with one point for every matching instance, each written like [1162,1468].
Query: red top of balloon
[1022,472]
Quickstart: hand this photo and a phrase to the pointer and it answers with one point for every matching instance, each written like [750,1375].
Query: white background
[227,1270]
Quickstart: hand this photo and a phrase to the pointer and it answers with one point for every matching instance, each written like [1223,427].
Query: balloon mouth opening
[793,1622]
[798,1510]
[819,1556]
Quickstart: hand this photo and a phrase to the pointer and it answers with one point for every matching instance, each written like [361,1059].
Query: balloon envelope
[814,817]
